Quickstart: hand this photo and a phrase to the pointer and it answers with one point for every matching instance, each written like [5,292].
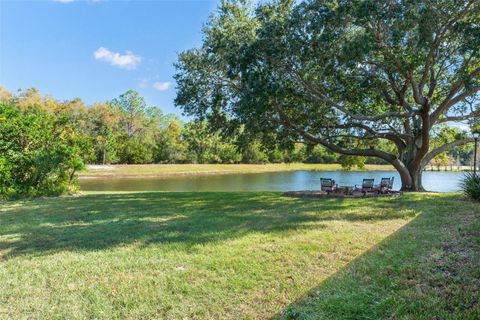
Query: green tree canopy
[342,74]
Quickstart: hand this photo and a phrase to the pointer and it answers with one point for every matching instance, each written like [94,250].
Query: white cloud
[162,86]
[127,61]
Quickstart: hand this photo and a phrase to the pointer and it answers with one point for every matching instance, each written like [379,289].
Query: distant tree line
[44,141]
[128,131]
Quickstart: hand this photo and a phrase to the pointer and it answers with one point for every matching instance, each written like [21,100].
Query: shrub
[135,152]
[471,186]
[39,153]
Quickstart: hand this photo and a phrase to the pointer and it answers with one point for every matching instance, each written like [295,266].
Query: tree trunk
[416,182]
[411,177]
[412,181]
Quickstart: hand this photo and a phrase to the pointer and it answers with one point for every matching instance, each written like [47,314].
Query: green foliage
[471,186]
[228,153]
[349,162]
[134,152]
[169,146]
[131,107]
[202,145]
[129,131]
[341,74]
[319,154]
[101,126]
[40,153]
[254,153]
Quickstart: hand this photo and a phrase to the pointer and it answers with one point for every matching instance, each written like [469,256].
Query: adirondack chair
[386,185]
[367,185]
[327,185]
[391,184]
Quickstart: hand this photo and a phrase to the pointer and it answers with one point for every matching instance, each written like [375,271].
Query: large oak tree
[343,74]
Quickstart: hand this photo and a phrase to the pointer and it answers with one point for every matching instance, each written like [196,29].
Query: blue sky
[96,50]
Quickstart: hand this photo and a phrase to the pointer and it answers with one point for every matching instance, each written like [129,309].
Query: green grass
[202,169]
[239,256]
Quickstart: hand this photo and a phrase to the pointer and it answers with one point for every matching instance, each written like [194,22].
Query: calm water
[272,181]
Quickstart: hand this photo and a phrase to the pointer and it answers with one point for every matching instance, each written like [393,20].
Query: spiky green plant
[471,186]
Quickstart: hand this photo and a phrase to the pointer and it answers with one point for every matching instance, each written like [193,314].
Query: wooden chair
[385,186]
[391,183]
[327,185]
[367,185]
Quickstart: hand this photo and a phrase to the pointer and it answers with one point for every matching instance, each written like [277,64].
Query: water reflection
[272,181]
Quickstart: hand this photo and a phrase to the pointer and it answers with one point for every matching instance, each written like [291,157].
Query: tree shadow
[98,222]
[428,269]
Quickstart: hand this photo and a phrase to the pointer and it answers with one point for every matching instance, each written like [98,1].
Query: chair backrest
[368,183]
[326,183]
[391,183]
[385,183]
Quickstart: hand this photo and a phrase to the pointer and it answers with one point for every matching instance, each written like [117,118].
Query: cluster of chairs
[368,185]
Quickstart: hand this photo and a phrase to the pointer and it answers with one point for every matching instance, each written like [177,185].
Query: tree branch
[352,152]
[460,118]
[435,152]
[439,34]
[401,145]
[451,99]
[324,99]
[417,94]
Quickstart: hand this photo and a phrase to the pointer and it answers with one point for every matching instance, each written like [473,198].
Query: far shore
[166,170]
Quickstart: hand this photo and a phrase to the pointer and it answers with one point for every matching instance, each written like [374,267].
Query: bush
[471,186]
[254,153]
[135,152]
[228,153]
[39,153]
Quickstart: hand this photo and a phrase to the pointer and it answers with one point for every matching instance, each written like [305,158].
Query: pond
[271,181]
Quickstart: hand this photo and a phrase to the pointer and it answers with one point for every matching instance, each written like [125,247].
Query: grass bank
[206,169]
[239,256]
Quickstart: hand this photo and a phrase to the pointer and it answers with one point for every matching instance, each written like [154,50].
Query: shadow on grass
[96,222]
[427,269]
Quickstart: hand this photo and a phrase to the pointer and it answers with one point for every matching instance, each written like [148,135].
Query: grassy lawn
[239,256]
[200,169]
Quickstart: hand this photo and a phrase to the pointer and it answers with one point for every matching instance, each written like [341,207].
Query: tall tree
[133,107]
[342,74]
[137,121]
[170,148]
[102,128]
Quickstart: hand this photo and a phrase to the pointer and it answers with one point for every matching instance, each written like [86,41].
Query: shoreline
[173,170]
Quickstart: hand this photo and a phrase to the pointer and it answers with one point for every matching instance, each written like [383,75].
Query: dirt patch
[355,194]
